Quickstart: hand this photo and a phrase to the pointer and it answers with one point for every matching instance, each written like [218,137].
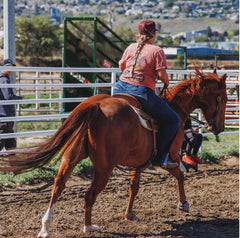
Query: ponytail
[141,40]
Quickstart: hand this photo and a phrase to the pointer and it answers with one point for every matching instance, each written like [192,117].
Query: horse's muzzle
[215,129]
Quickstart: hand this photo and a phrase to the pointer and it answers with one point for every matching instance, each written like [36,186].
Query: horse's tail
[76,124]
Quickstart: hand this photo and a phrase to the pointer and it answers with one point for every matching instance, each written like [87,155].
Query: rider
[141,64]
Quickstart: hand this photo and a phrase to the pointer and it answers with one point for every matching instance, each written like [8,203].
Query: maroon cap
[147,27]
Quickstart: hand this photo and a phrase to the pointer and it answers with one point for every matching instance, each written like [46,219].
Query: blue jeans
[156,107]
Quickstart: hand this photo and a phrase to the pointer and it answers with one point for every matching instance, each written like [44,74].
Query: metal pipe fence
[53,75]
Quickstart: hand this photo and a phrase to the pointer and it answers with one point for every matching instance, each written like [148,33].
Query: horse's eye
[219,99]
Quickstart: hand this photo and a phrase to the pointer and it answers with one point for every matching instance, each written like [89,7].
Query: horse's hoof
[183,206]
[91,228]
[183,168]
[43,234]
[133,217]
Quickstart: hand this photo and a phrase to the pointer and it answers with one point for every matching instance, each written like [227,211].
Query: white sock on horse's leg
[46,220]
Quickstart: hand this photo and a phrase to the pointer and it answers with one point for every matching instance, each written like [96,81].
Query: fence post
[18,111]
[113,81]
[37,90]
[50,91]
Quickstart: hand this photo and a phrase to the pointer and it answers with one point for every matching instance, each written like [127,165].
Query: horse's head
[212,98]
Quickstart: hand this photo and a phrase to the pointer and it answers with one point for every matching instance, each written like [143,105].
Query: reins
[196,120]
[165,90]
[218,98]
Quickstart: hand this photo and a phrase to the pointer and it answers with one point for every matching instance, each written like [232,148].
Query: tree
[235,32]
[169,3]
[209,32]
[126,33]
[186,8]
[37,37]
[201,39]
[225,34]
[180,60]
[168,40]
[178,40]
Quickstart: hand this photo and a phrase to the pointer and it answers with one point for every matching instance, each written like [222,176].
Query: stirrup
[169,165]
[166,164]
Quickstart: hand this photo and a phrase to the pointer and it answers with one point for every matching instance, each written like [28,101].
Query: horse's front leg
[133,190]
[179,175]
[176,172]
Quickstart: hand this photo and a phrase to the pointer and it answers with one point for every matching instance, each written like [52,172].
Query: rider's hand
[162,73]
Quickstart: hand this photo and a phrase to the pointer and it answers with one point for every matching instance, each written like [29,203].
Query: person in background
[191,144]
[211,66]
[7,110]
[141,64]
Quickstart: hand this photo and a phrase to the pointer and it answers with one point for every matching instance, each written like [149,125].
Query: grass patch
[28,178]
[42,96]
[45,173]
[215,147]
[38,126]
[42,174]
[84,166]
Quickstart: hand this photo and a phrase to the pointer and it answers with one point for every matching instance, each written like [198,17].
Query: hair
[141,40]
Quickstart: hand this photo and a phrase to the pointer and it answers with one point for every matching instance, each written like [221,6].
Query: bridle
[163,92]
[218,100]
[212,120]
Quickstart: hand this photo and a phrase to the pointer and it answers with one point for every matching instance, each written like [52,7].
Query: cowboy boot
[164,163]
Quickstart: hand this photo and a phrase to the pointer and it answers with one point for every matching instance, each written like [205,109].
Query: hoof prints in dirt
[212,193]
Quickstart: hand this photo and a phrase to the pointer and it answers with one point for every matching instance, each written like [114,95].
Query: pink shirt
[150,60]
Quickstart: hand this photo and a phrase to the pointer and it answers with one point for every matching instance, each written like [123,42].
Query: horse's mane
[190,86]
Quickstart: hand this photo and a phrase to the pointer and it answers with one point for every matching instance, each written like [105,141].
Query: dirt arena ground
[212,192]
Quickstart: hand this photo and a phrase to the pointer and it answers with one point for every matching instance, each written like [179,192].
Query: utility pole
[9,35]
[9,31]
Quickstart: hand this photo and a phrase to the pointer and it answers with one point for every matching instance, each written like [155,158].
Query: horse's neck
[183,106]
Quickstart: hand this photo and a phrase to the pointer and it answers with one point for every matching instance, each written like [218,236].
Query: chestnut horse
[107,130]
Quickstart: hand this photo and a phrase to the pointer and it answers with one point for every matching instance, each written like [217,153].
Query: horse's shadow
[214,228]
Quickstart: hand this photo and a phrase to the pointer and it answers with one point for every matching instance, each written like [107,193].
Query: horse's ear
[197,70]
[190,76]
[224,77]
[215,70]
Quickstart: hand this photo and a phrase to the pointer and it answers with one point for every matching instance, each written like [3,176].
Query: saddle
[145,120]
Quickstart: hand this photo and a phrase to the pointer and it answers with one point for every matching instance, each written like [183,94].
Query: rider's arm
[162,73]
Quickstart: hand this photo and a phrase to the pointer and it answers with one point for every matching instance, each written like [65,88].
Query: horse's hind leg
[99,182]
[133,190]
[64,173]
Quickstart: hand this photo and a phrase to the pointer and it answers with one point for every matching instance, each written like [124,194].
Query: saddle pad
[144,118]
